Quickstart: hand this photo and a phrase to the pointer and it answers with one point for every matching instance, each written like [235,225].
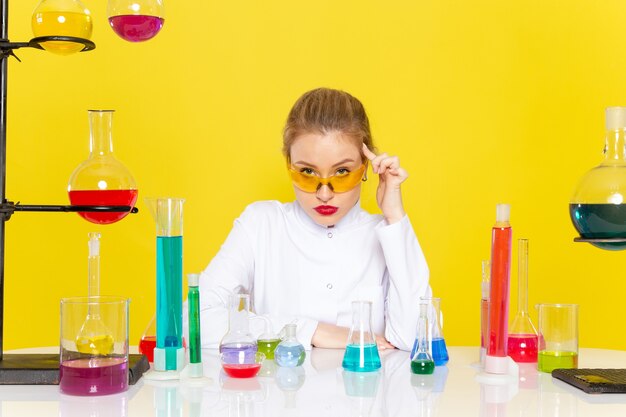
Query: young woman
[306,261]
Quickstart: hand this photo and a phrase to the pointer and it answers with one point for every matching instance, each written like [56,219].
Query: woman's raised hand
[390,176]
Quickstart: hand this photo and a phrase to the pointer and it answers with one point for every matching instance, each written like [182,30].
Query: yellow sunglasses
[339,183]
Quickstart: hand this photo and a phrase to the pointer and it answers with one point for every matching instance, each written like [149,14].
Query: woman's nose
[324,193]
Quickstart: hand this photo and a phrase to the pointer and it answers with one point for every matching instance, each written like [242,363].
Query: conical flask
[147,343]
[597,207]
[102,180]
[522,342]
[361,353]
[422,362]
[62,18]
[169,354]
[136,20]
[438,347]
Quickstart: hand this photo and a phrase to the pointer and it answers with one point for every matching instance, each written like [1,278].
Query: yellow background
[485,102]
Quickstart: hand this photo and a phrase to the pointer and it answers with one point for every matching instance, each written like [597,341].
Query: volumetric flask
[422,361]
[361,353]
[438,344]
[289,352]
[522,340]
[95,371]
[102,180]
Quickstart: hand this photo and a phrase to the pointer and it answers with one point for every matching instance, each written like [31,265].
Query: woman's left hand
[390,176]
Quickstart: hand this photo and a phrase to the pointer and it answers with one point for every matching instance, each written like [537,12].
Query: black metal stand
[30,369]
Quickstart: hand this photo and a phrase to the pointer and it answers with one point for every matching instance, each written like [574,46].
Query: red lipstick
[326,210]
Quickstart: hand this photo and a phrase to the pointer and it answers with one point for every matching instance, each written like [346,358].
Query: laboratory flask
[597,208]
[422,362]
[289,352]
[62,18]
[268,340]
[169,354]
[522,343]
[102,180]
[136,20]
[438,347]
[238,348]
[484,310]
[361,354]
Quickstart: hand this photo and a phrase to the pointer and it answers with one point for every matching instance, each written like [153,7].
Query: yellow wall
[485,101]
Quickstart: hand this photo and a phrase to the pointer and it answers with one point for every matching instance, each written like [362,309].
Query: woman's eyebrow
[342,162]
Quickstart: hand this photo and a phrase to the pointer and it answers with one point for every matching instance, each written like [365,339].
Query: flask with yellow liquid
[62,18]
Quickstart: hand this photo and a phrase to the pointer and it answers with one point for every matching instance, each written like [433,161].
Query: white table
[321,388]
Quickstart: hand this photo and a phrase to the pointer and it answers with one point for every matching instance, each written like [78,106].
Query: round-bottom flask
[289,352]
[597,207]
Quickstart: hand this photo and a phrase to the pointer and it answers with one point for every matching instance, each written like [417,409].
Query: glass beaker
[136,20]
[361,353]
[169,354]
[438,343]
[558,336]
[97,371]
[62,18]
[422,361]
[597,207]
[289,352]
[522,342]
[102,180]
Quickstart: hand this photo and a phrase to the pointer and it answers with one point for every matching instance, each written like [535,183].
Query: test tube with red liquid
[497,360]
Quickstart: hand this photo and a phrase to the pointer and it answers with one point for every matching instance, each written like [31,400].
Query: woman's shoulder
[266,209]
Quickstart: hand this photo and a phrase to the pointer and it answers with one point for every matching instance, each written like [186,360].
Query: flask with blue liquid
[438,347]
[289,352]
[361,353]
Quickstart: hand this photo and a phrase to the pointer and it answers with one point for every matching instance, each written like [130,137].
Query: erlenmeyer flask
[136,20]
[438,343]
[62,18]
[147,343]
[597,207]
[522,342]
[422,361]
[361,353]
[102,180]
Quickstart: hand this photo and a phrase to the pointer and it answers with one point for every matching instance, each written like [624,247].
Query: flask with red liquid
[136,20]
[102,180]
[522,343]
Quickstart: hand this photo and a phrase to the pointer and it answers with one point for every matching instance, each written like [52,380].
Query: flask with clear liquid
[597,208]
[422,362]
[289,352]
[102,180]
[522,343]
[361,353]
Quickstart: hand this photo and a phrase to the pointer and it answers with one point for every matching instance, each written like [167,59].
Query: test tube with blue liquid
[169,354]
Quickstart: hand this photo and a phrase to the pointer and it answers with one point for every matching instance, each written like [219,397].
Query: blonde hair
[325,110]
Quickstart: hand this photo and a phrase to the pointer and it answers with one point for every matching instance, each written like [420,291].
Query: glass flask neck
[522,272]
[422,330]
[290,332]
[615,147]
[100,130]
[238,314]
[361,330]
